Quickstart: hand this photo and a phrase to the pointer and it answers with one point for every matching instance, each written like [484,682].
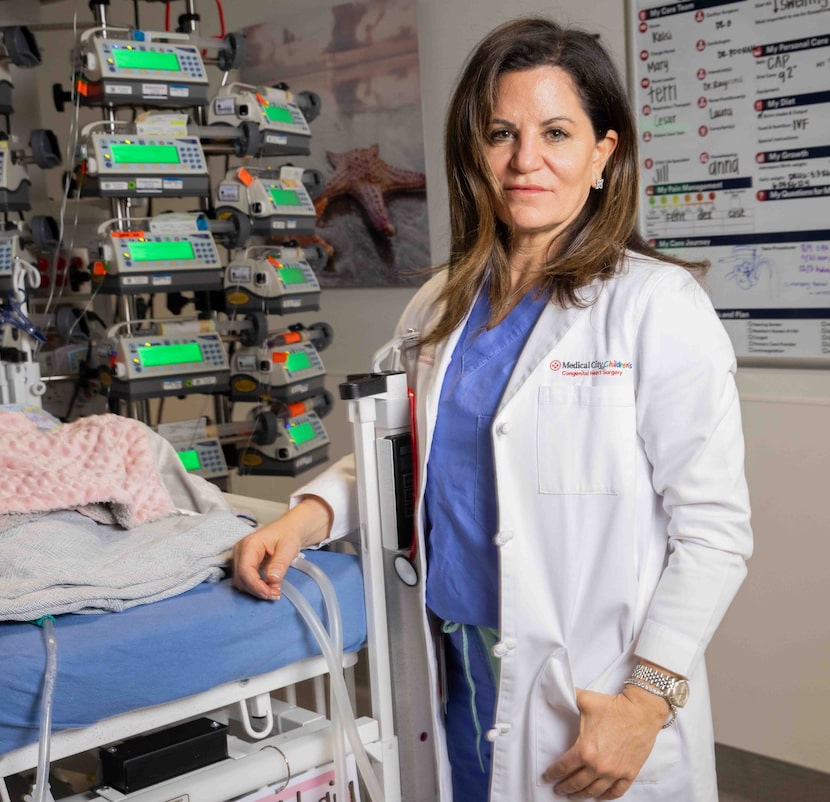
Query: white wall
[770,662]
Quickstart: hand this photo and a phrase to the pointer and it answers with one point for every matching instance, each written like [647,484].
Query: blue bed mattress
[116,662]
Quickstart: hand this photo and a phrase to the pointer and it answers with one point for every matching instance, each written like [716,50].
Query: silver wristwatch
[673,689]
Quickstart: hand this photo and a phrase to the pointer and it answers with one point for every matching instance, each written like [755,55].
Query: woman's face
[543,151]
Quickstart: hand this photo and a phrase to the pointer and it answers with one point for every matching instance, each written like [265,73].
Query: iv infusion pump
[126,165]
[173,252]
[203,457]
[150,366]
[141,67]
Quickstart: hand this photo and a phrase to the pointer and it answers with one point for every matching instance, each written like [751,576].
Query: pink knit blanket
[101,466]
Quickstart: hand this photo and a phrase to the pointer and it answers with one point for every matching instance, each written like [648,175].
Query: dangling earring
[600,183]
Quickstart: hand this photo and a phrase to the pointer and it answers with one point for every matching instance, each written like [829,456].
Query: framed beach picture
[361,59]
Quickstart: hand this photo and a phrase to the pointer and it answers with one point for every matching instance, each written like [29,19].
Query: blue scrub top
[461,511]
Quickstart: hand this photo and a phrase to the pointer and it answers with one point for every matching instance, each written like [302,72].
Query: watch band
[659,679]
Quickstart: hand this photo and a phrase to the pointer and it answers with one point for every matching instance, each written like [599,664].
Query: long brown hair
[592,245]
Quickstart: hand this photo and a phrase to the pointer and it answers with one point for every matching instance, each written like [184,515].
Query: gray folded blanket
[66,562]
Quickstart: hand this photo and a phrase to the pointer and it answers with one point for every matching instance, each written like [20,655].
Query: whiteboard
[732,99]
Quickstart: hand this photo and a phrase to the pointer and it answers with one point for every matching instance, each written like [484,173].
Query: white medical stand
[379,410]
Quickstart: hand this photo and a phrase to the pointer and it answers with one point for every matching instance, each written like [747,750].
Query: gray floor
[747,777]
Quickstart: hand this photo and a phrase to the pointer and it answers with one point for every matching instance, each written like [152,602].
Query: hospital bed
[205,681]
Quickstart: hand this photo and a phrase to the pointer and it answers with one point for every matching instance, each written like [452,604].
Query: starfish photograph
[361,60]
[366,177]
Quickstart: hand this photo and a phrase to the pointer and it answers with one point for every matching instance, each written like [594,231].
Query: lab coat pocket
[666,751]
[664,756]
[586,438]
[554,712]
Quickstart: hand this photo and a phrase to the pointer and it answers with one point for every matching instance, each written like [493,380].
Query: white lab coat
[623,517]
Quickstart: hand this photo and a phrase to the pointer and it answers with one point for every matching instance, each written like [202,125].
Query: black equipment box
[149,759]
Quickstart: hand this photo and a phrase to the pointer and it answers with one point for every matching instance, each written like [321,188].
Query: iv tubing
[336,638]
[338,687]
[41,791]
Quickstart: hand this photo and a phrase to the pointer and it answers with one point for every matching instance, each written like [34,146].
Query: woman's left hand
[616,735]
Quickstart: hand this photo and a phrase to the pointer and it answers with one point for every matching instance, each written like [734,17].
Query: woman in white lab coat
[583,500]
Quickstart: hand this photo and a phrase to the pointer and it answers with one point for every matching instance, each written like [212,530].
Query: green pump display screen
[149,251]
[176,354]
[145,154]
[142,60]
[297,360]
[292,275]
[190,460]
[277,114]
[301,433]
[284,197]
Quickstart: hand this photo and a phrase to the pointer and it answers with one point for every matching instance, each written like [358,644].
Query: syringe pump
[21,242]
[278,203]
[43,150]
[21,51]
[301,442]
[281,116]
[275,279]
[286,368]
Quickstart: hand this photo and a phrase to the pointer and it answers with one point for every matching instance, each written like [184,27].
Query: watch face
[679,694]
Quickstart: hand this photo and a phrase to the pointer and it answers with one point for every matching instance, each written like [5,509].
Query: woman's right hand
[261,559]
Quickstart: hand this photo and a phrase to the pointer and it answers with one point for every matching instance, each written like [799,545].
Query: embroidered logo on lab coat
[591,367]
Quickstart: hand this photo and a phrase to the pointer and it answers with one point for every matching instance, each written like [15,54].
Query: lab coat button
[497,731]
[504,428]
[505,536]
[501,648]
